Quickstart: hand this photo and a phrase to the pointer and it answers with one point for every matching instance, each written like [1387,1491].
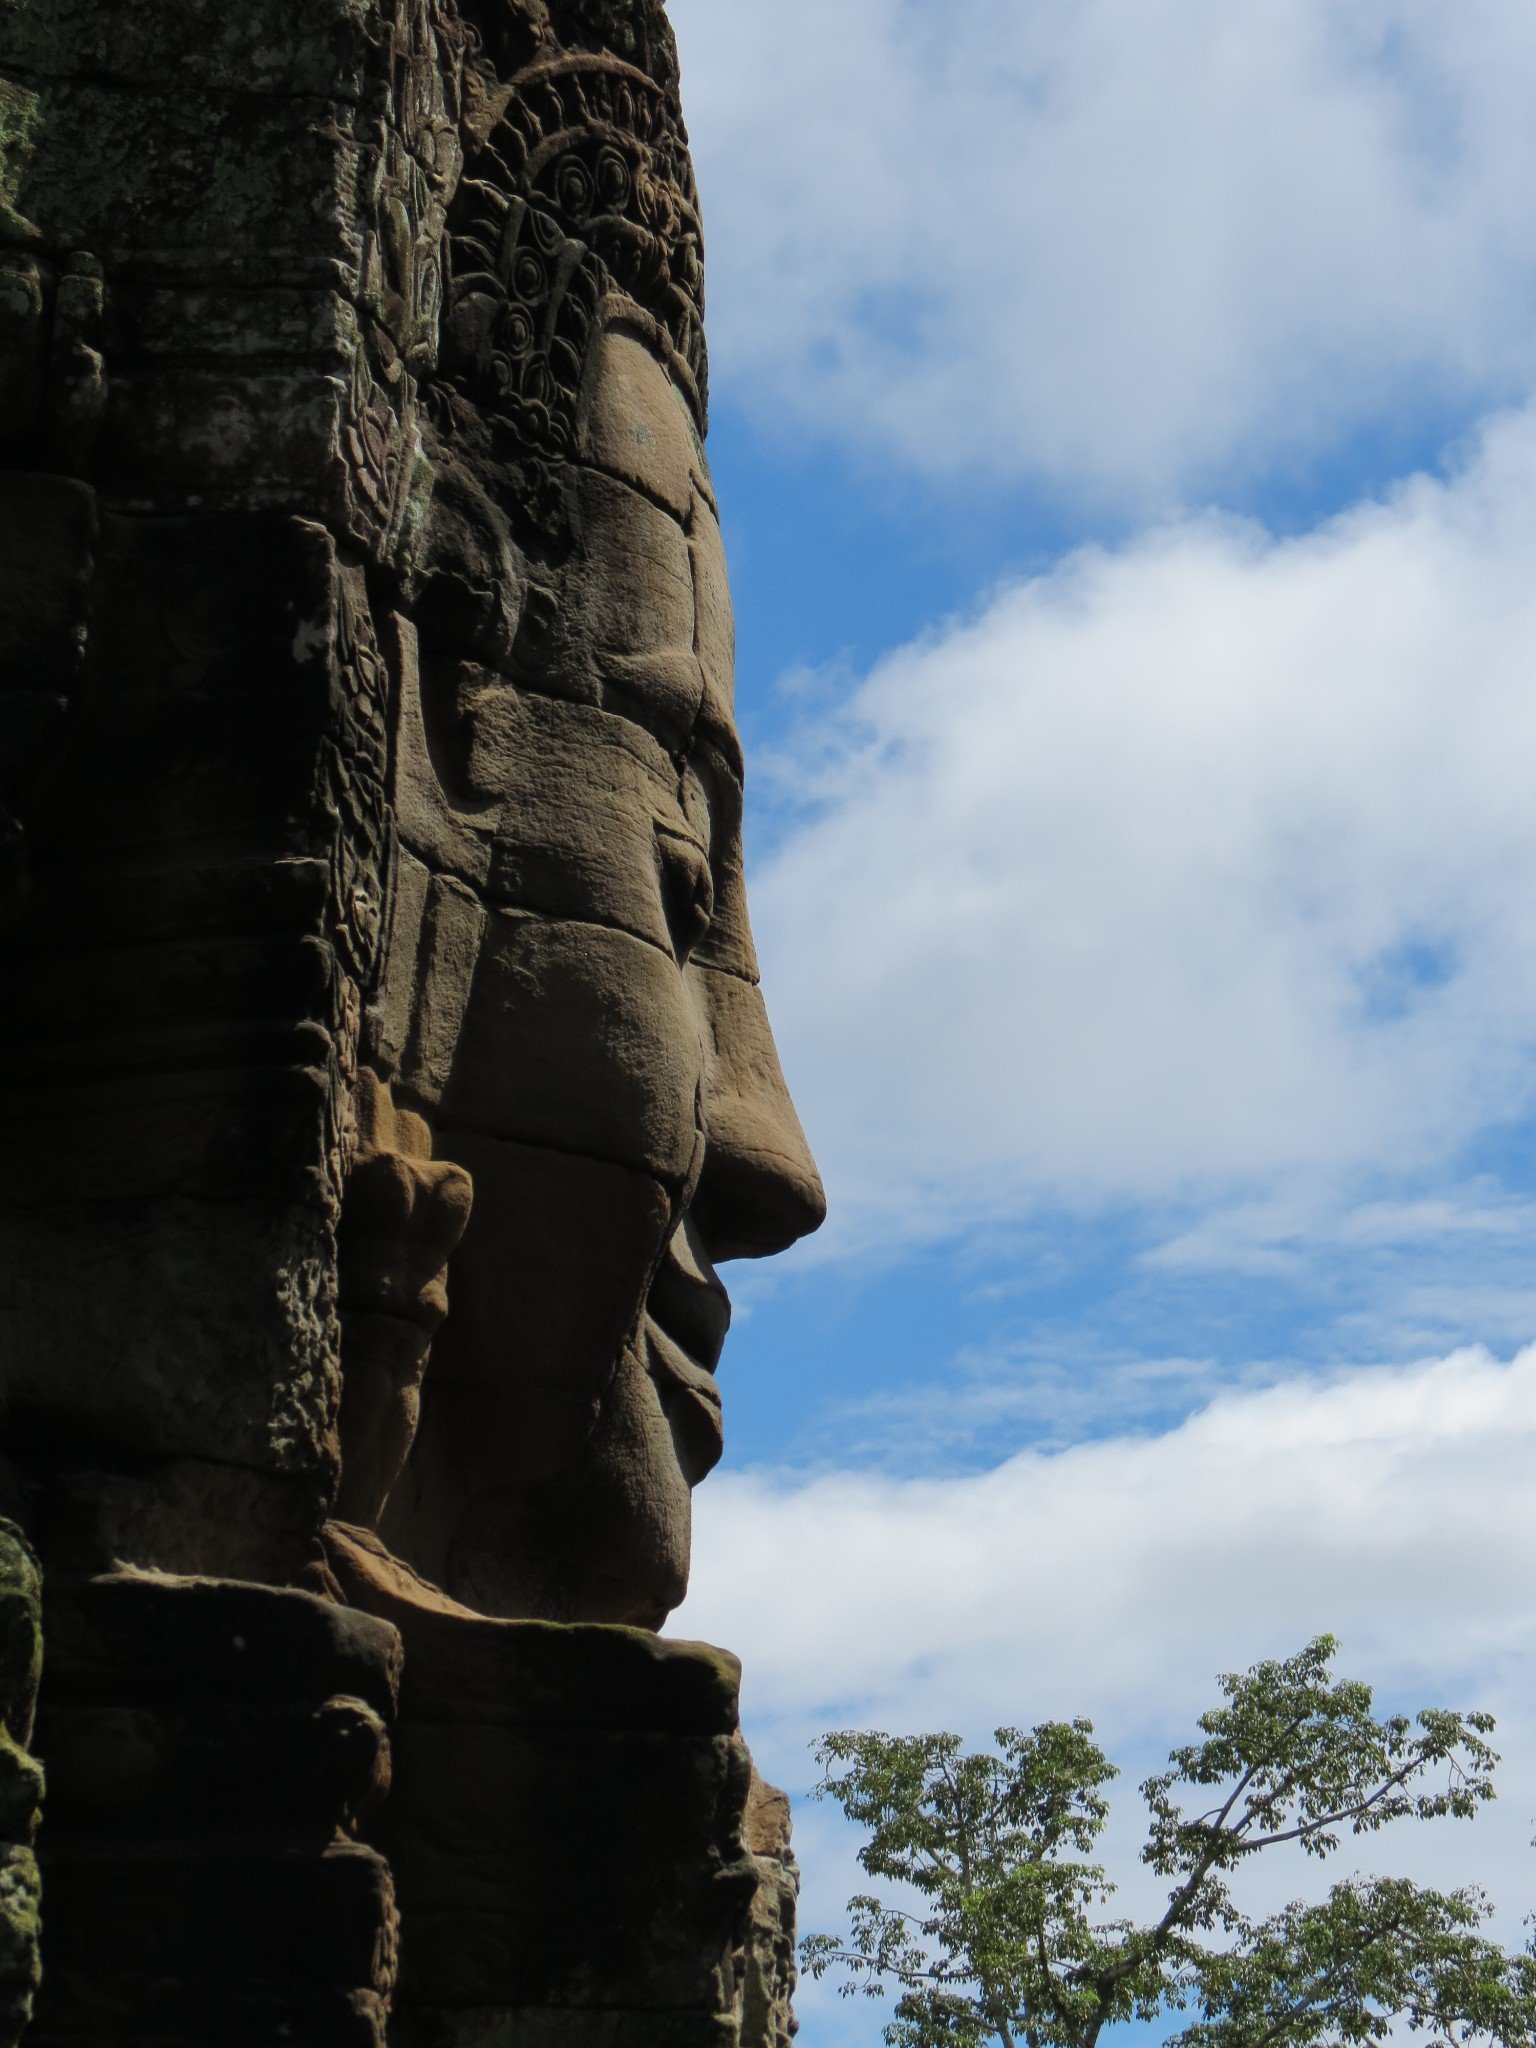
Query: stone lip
[691,1399]
[463,1667]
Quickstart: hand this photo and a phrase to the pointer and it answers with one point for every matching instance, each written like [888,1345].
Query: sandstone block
[139,1638]
[21,1783]
[608,1065]
[555,2027]
[366,745]
[716,617]
[48,530]
[193,1771]
[203,185]
[301,47]
[637,427]
[642,601]
[244,1916]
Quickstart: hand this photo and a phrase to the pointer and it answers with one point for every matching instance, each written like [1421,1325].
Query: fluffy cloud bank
[1393,1507]
[1128,244]
[1190,866]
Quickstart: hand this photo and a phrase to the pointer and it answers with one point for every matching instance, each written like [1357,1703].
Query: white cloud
[1279,1237]
[1206,867]
[1393,1507]
[1132,245]
[1037,1392]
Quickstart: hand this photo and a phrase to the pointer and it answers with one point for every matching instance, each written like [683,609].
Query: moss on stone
[20,120]
[21,1792]
[21,1632]
[21,1896]
[204,181]
[21,1782]
[20,1942]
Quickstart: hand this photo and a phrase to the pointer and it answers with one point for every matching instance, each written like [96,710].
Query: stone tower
[385,1070]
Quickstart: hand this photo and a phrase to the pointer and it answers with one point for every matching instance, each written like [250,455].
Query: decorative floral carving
[363,853]
[413,158]
[583,184]
[636,29]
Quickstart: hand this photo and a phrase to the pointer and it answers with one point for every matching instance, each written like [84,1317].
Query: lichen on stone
[20,117]
[21,1782]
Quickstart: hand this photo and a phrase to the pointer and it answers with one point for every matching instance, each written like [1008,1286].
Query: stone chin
[552,1471]
[616,1549]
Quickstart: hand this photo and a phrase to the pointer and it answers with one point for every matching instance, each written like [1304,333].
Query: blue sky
[1125,425]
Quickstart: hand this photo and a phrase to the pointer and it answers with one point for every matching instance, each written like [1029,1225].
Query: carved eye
[573,189]
[613,180]
[528,280]
[687,890]
[517,332]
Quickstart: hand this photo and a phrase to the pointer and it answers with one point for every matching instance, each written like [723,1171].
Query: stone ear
[437,922]
[403,1213]
[21,1781]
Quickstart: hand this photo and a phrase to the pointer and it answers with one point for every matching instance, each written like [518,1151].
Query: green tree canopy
[998,1933]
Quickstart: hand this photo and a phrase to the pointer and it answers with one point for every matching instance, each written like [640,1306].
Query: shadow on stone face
[385,1075]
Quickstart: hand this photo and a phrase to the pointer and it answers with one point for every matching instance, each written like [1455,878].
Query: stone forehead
[604,69]
[577,189]
[637,31]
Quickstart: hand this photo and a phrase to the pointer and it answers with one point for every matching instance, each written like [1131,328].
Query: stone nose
[759,1191]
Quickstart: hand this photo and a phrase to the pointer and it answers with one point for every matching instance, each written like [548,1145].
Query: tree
[1004,1942]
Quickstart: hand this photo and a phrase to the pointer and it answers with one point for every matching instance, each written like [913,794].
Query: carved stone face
[576,1013]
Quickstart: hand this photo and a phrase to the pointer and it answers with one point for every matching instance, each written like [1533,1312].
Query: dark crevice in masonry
[131,1085]
[523,913]
[727,973]
[448,1128]
[317,1215]
[193,89]
[247,366]
[51,1448]
[517,913]
[639,490]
